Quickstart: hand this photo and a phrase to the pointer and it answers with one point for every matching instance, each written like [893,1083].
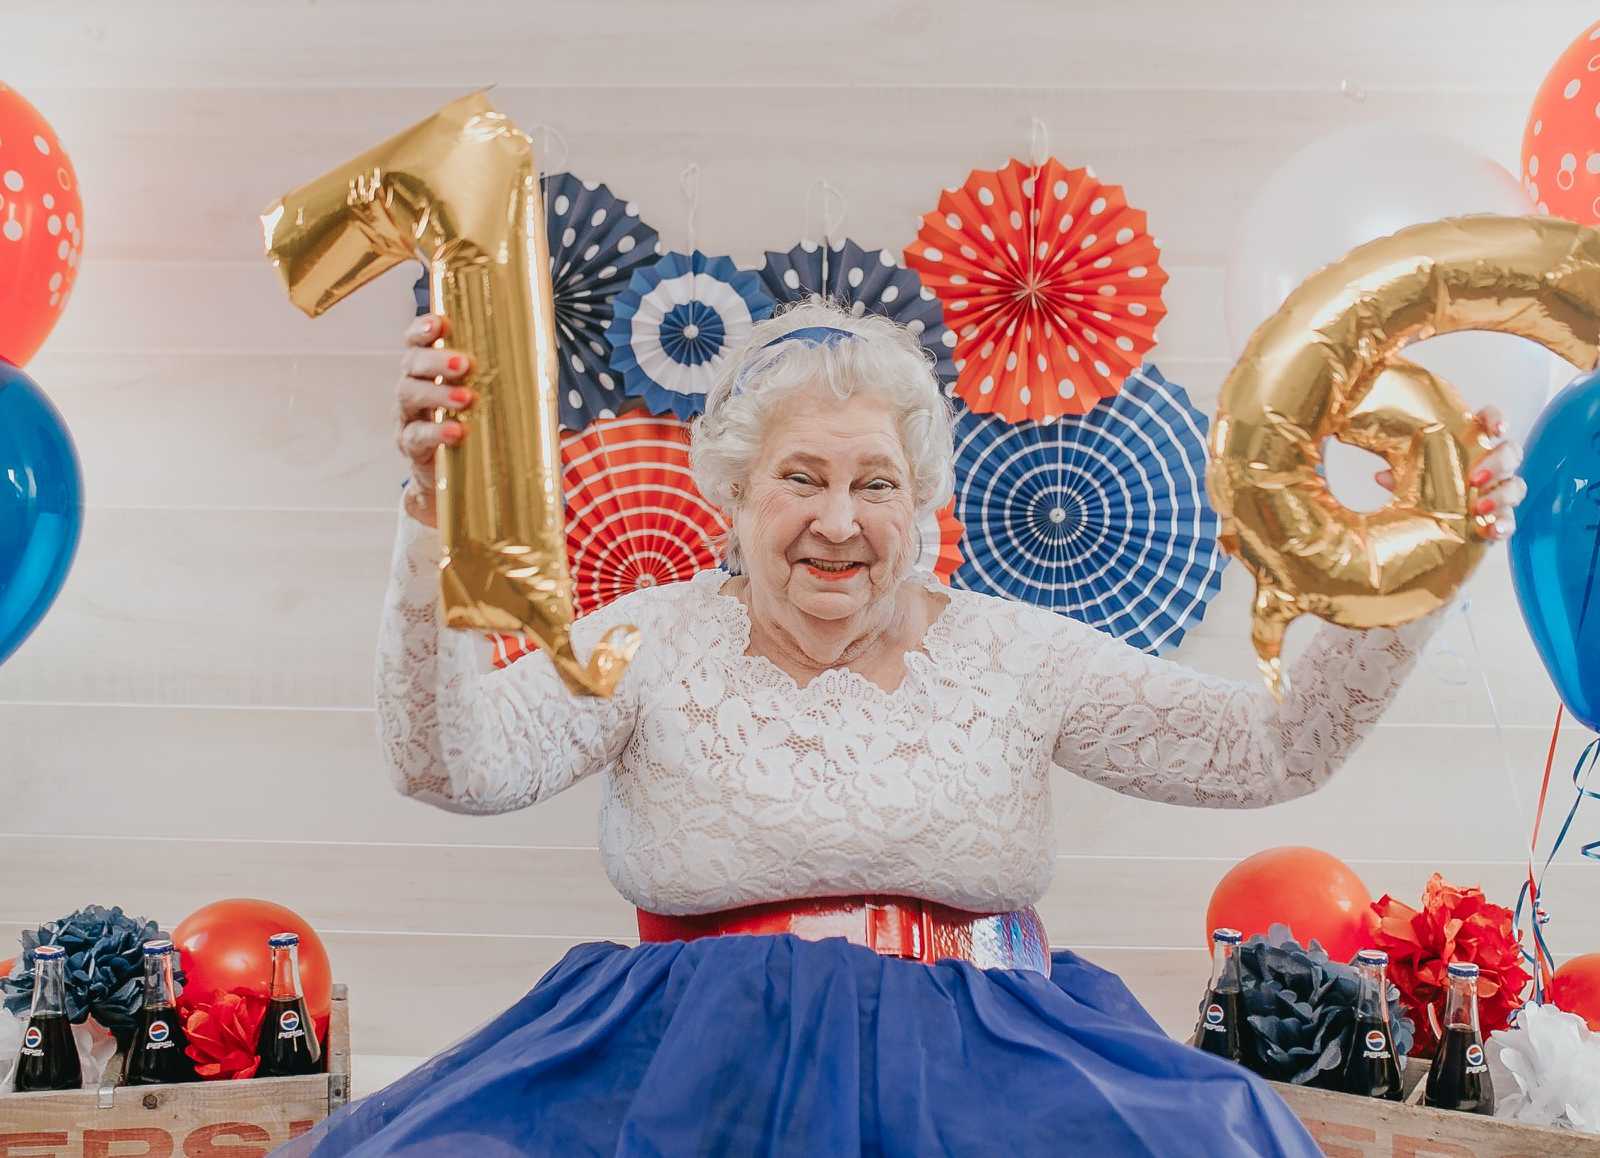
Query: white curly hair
[882,360]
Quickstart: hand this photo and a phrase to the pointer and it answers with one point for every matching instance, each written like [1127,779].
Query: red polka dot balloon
[41,228]
[1561,144]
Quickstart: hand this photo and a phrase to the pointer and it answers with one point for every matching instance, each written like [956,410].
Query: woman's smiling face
[827,519]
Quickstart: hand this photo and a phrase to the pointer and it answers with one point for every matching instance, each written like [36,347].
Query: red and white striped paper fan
[635,518]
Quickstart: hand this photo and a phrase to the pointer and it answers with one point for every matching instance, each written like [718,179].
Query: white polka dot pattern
[1042,264]
[41,232]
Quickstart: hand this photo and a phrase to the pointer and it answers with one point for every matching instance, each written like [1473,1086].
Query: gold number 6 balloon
[461,191]
[1326,365]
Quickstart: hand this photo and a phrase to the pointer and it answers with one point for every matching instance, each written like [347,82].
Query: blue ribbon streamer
[1591,849]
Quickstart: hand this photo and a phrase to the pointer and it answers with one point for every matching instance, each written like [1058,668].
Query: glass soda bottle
[1221,1028]
[1459,1077]
[158,1055]
[49,1058]
[1373,1068]
[288,1045]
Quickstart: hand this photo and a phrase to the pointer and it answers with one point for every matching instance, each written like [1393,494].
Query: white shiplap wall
[194,718]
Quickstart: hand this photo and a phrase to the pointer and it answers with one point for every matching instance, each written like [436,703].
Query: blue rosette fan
[676,323]
[1101,517]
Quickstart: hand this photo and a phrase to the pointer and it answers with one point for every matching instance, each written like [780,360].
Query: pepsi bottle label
[287,1046]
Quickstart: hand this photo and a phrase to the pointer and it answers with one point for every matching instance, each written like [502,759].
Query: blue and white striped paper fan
[596,242]
[1101,517]
[868,281]
[676,323]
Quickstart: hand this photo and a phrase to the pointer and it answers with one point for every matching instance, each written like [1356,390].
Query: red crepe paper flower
[223,1033]
[1455,924]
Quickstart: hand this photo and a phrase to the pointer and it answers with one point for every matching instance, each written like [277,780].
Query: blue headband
[810,336]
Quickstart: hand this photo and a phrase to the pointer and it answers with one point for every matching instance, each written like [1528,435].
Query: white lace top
[726,784]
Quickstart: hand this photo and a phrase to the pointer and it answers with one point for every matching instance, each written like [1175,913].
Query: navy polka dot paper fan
[1102,517]
[677,322]
[596,242]
[867,280]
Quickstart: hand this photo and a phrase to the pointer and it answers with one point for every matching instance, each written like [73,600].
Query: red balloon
[1560,145]
[1316,894]
[41,228]
[1576,988]
[224,947]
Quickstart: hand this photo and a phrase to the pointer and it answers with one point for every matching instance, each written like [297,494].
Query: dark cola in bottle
[1221,1029]
[1459,1077]
[1373,1068]
[49,1058]
[157,1055]
[288,1044]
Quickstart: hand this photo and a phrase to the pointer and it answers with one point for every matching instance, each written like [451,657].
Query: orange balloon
[5,966]
[1576,988]
[1560,145]
[1314,893]
[41,227]
[224,946]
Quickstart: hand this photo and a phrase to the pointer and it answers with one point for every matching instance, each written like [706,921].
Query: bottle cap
[1462,969]
[1372,957]
[157,948]
[283,940]
[49,953]
[1227,936]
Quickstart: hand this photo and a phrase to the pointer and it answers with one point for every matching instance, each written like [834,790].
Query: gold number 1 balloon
[460,190]
[1326,365]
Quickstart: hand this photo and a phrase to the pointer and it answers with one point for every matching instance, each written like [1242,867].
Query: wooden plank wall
[194,719]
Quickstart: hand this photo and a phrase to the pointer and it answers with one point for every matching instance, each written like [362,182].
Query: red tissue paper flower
[1455,924]
[223,1032]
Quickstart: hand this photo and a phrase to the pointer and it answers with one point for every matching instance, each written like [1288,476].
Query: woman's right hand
[430,381]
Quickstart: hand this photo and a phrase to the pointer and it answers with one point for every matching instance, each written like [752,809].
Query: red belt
[893,926]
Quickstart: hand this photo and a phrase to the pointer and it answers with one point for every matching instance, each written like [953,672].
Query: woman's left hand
[1493,479]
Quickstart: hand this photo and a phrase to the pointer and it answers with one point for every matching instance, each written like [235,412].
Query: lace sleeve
[1152,728]
[465,736]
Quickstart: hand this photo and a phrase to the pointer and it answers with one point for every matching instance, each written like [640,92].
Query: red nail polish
[457,363]
[1479,477]
[460,396]
[1484,506]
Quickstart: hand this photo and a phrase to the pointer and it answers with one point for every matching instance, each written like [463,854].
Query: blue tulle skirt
[775,1045]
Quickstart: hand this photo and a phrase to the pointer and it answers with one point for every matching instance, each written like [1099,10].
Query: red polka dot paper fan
[635,518]
[1052,283]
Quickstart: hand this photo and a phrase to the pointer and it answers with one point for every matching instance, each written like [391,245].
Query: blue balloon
[41,506]
[1555,554]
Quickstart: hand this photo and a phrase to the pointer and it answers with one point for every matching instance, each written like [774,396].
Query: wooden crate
[1346,1126]
[240,1119]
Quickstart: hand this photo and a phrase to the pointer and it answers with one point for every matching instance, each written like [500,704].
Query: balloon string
[1530,889]
[1581,772]
[1529,893]
[689,182]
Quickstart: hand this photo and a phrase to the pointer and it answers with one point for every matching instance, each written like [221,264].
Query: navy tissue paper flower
[105,968]
[1301,1008]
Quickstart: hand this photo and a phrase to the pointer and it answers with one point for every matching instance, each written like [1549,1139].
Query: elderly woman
[831,753]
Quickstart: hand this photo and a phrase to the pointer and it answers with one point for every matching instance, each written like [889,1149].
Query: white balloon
[1353,187]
